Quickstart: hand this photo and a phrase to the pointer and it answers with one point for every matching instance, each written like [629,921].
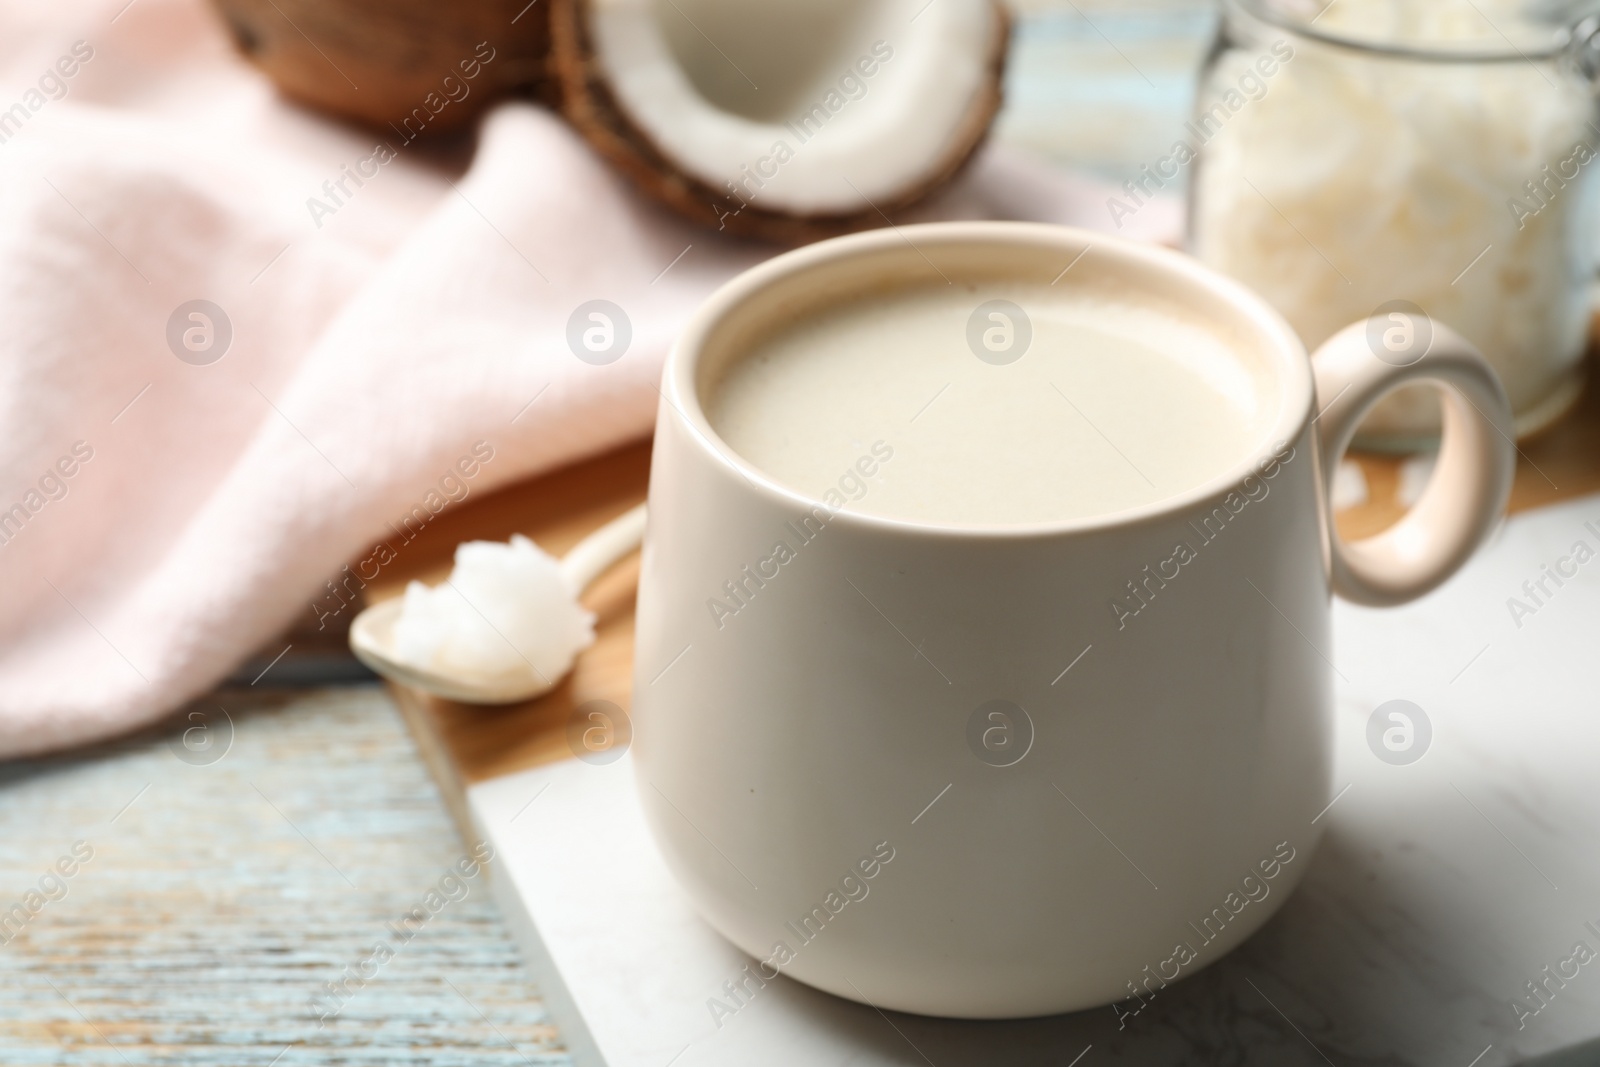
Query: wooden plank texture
[220,896]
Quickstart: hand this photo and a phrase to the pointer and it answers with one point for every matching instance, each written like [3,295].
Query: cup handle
[1471,480]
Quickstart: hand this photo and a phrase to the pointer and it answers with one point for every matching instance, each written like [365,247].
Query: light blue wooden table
[221,897]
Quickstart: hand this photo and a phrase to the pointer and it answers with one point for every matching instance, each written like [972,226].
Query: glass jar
[1366,157]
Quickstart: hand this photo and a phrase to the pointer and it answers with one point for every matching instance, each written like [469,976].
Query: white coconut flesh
[806,107]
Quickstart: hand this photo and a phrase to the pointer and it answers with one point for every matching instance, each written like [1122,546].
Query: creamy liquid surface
[1111,406]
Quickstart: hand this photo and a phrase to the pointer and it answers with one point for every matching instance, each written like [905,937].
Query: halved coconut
[420,66]
[787,119]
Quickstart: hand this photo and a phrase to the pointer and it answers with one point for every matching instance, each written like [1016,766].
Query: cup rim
[681,398]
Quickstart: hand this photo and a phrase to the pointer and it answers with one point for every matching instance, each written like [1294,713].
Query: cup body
[982,772]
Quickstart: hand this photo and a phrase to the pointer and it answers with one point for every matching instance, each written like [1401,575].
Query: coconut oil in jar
[1409,155]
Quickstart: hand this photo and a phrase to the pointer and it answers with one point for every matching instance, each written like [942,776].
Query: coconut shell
[590,105]
[384,62]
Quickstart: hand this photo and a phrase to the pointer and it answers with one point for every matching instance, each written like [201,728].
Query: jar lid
[1434,30]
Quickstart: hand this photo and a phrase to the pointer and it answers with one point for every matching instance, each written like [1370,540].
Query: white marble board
[1440,888]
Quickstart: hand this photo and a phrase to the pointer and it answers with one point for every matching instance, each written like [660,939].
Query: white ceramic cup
[933,768]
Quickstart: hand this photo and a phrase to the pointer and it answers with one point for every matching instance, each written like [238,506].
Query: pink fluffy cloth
[241,339]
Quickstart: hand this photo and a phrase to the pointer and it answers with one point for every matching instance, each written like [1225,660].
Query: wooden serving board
[466,744]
